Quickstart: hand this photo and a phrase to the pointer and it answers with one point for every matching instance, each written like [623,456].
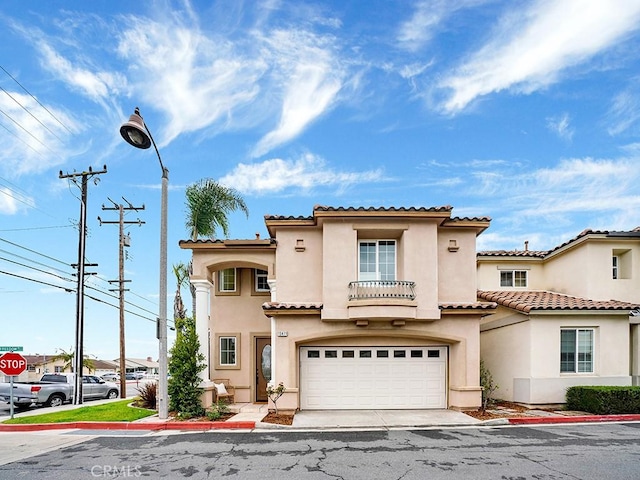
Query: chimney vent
[526,245]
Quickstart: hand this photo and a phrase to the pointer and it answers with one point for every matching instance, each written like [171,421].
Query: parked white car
[110,377]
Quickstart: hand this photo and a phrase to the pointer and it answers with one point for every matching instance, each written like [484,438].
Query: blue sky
[524,111]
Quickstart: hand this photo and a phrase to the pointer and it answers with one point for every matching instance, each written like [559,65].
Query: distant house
[350,308]
[565,317]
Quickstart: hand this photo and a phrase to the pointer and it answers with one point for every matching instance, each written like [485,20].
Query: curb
[34,427]
[574,419]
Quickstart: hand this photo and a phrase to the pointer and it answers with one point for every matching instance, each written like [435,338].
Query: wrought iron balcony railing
[370,289]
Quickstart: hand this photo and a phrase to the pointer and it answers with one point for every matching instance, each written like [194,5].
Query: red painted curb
[33,427]
[574,419]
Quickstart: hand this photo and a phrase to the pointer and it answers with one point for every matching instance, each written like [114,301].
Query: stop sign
[12,363]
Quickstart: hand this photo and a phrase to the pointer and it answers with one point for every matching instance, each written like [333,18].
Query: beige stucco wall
[586,271]
[459,332]
[299,271]
[244,319]
[506,352]
[456,268]
[524,358]
[488,273]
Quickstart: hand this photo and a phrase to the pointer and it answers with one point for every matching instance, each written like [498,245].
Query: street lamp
[136,133]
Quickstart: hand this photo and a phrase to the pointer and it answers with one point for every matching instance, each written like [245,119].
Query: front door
[263,367]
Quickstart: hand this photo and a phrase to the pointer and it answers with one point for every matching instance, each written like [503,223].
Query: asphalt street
[573,451]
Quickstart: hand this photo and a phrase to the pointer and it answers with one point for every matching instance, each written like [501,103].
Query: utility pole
[124,241]
[79,353]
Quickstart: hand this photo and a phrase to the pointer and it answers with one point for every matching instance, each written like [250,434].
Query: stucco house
[350,308]
[565,317]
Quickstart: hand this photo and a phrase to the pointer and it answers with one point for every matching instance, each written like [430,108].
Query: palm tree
[181,271]
[208,204]
[67,358]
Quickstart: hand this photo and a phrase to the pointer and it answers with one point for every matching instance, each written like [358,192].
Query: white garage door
[372,377]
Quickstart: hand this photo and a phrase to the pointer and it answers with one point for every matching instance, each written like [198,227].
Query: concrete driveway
[379,418]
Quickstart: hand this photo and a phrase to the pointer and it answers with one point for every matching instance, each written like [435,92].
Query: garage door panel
[372,378]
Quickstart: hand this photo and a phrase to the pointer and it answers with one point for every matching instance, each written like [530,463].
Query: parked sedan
[96,387]
[110,377]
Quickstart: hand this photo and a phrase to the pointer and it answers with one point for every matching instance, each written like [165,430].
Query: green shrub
[604,400]
[217,410]
[488,386]
[185,366]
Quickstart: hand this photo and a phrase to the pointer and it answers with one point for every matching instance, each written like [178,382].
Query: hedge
[601,400]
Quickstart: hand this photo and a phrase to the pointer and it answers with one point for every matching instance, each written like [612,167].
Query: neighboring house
[350,308]
[565,316]
[147,365]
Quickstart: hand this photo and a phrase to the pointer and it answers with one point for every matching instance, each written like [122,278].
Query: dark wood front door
[263,367]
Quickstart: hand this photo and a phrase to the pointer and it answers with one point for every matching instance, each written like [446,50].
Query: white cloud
[531,48]
[8,204]
[306,173]
[427,20]
[200,80]
[624,111]
[98,86]
[561,126]
[34,138]
[312,77]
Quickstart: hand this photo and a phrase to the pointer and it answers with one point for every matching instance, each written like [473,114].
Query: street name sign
[10,349]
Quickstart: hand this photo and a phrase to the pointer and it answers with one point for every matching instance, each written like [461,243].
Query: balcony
[382,289]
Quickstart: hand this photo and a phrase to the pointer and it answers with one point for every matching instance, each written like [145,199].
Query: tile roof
[322,208]
[527,301]
[468,306]
[543,253]
[291,306]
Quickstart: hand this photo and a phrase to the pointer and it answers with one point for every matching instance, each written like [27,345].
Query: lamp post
[136,133]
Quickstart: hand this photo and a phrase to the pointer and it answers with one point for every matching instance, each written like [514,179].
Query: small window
[416,354]
[331,354]
[615,267]
[348,354]
[31,368]
[227,279]
[313,354]
[513,278]
[227,351]
[58,369]
[433,353]
[365,353]
[576,350]
[399,354]
[382,353]
[261,284]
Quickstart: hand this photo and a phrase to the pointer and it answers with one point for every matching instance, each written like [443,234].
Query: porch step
[249,408]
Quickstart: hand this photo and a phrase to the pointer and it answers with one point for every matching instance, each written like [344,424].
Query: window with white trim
[513,278]
[261,284]
[576,350]
[614,266]
[377,260]
[228,351]
[227,280]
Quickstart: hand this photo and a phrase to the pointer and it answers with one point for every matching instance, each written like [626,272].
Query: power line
[32,115]
[33,251]
[37,101]
[70,290]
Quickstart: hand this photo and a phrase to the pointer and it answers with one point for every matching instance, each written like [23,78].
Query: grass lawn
[107,412]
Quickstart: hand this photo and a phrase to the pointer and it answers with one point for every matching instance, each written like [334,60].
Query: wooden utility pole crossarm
[123,242]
